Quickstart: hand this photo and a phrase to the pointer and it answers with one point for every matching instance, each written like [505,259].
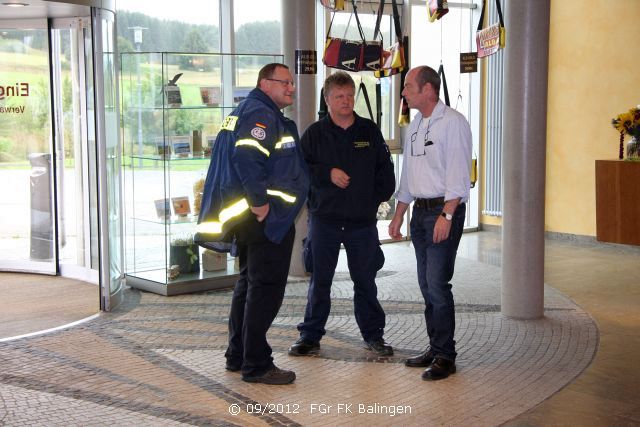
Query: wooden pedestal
[618,201]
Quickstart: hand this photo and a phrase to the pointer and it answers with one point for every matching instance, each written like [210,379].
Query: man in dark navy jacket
[256,184]
[351,174]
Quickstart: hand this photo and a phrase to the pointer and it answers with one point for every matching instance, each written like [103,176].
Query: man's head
[339,94]
[421,87]
[276,82]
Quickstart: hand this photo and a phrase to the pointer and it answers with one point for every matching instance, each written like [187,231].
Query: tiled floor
[158,360]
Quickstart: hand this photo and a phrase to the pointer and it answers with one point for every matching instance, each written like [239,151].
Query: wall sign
[468,62]
[306,62]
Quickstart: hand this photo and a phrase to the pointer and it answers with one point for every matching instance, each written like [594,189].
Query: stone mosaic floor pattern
[159,361]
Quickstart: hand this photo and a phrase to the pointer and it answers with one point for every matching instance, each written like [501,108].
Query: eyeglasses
[284,82]
[421,148]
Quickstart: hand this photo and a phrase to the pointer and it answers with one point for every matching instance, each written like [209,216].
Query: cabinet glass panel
[172,107]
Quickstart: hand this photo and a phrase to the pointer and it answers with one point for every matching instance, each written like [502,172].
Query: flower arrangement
[627,123]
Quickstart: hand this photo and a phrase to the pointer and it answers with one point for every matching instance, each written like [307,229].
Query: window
[153,26]
[257,26]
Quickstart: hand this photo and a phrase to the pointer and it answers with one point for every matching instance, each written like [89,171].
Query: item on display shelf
[173,272]
[437,9]
[181,205]
[196,143]
[162,148]
[213,261]
[184,253]
[393,58]
[181,146]
[493,38]
[173,98]
[333,4]
[240,93]
[208,148]
[198,189]
[163,208]
[210,95]
[352,55]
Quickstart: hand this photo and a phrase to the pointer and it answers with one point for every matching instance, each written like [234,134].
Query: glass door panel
[71,52]
[27,232]
[110,226]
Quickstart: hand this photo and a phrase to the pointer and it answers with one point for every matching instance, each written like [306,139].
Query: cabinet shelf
[156,184]
[183,107]
[172,158]
[173,220]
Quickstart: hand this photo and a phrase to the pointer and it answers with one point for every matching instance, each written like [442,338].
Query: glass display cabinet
[172,107]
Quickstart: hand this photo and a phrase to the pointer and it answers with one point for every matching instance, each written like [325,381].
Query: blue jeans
[363,257]
[435,263]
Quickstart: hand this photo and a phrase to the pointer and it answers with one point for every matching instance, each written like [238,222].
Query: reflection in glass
[26,229]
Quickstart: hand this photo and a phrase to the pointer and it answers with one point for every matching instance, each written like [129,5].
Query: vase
[186,257]
[633,149]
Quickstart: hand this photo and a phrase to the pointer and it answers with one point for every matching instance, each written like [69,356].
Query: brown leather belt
[429,203]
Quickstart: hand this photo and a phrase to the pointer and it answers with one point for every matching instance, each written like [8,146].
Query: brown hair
[426,74]
[268,71]
[339,78]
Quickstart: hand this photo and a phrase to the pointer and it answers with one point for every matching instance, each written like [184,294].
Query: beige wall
[594,74]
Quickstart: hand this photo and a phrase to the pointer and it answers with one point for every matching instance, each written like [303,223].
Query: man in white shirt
[435,176]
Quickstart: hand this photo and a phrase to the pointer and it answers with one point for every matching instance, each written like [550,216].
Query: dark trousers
[363,256]
[435,262]
[257,297]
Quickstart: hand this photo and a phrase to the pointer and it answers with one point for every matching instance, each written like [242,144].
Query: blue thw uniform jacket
[362,153]
[256,160]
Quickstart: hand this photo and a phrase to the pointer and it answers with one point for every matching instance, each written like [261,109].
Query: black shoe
[379,347]
[274,376]
[422,360]
[304,347]
[232,366]
[439,369]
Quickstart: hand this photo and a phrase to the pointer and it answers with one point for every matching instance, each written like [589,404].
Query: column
[524,152]
[298,46]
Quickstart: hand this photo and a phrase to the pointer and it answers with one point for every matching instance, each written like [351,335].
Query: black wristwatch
[447,216]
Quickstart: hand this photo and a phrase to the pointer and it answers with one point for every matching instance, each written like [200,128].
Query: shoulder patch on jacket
[258,133]
[229,123]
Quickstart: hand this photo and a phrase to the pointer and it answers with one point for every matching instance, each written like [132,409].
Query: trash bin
[41,243]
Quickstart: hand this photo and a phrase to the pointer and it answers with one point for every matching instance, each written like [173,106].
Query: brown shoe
[422,360]
[439,369]
[274,376]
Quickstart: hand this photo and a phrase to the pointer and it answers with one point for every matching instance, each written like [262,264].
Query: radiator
[494,107]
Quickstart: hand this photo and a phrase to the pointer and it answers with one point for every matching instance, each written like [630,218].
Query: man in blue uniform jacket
[256,184]
[351,174]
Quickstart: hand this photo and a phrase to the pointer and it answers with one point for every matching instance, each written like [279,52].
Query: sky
[203,11]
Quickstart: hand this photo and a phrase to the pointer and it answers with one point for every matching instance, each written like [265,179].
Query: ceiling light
[15,4]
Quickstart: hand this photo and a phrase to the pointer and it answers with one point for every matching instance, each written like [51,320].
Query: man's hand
[441,230]
[339,178]
[398,219]
[261,212]
[394,228]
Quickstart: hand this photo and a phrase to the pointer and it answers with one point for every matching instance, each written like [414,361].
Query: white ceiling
[41,9]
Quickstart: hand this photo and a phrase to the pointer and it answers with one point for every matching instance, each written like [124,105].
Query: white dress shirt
[437,157]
